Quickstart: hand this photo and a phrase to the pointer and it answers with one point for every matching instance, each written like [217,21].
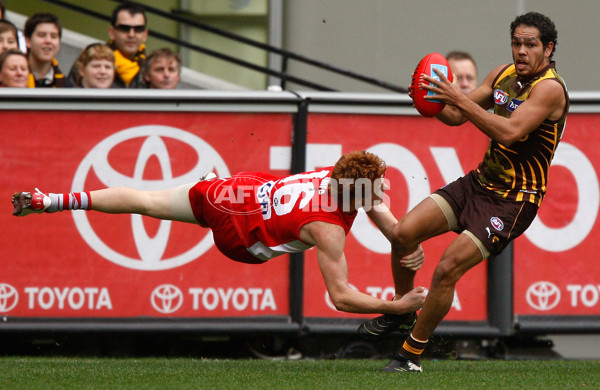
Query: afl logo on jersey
[497,223]
[500,97]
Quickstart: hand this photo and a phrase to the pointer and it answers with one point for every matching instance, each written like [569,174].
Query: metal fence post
[500,291]
[298,165]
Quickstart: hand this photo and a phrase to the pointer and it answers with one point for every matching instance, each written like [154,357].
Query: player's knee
[447,273]
[402,239]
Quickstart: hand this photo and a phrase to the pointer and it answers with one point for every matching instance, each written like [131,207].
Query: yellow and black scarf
[58,80]
[128,69]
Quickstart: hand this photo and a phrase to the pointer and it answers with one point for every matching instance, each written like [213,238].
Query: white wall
[385,39]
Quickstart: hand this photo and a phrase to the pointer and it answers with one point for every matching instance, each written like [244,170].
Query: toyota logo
[150,250]
[166,298]
[8,297]
[543,296]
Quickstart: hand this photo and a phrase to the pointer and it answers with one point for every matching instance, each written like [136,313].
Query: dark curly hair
[543,23]
[354,166]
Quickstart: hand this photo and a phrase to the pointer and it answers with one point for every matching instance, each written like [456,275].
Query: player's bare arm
[329,240]
[383,218]
[546,101]
[482,96]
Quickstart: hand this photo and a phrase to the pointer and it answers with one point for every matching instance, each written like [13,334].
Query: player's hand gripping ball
[428,63]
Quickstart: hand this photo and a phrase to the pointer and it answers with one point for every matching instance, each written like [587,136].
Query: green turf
[181,373]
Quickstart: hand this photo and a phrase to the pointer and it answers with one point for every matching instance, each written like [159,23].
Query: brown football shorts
[495,222]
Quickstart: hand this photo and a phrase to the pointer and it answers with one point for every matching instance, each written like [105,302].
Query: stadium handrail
[282,74]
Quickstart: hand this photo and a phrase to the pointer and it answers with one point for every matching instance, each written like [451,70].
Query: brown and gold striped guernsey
[520,172]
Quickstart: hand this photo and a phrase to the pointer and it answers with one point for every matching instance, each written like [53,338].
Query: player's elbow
[506,136]
[507,140]
[340,305]
[340,302]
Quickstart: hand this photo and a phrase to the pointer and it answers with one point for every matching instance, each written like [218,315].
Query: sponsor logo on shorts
[497,223]
[500,97]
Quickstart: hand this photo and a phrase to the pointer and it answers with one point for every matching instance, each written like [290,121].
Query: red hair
[358,165]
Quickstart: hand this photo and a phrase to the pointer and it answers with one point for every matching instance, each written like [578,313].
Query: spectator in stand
[8,36]
[464,70]
[96,67]
[128,34]
[162,69]
[43,32]
[14,69]
[20,37]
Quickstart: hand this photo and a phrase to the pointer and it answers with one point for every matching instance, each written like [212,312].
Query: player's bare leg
[462,255]
[459,257]
[406,236]
[170,204]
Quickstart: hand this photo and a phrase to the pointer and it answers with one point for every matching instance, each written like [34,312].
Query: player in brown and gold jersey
[495,203]
[520,171]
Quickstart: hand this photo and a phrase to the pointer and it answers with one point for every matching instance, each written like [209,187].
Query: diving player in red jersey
[495,203]
[256,216]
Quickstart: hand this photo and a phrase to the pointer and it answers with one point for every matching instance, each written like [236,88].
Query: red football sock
[73,201]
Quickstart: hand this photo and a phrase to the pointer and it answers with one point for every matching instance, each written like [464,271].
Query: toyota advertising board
[417,165]
[556,271]
[79,264]
[97,267]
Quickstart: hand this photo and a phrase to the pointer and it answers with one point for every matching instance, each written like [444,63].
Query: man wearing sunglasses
[128,34]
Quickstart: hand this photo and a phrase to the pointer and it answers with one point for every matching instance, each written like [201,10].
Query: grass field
[186,373]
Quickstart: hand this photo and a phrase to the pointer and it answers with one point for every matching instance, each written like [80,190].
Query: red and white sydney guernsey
[255,216]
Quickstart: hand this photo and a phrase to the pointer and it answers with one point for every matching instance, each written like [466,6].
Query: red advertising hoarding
[556,267]
[79,264]
[422,155]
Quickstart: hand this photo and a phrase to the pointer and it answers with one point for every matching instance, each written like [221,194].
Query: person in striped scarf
[127,36]
[43,32]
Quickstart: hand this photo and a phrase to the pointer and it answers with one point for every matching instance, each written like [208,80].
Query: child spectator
[43,32]
[96,67]
[8,36]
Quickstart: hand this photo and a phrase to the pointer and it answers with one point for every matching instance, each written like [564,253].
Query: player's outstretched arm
[329,240]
